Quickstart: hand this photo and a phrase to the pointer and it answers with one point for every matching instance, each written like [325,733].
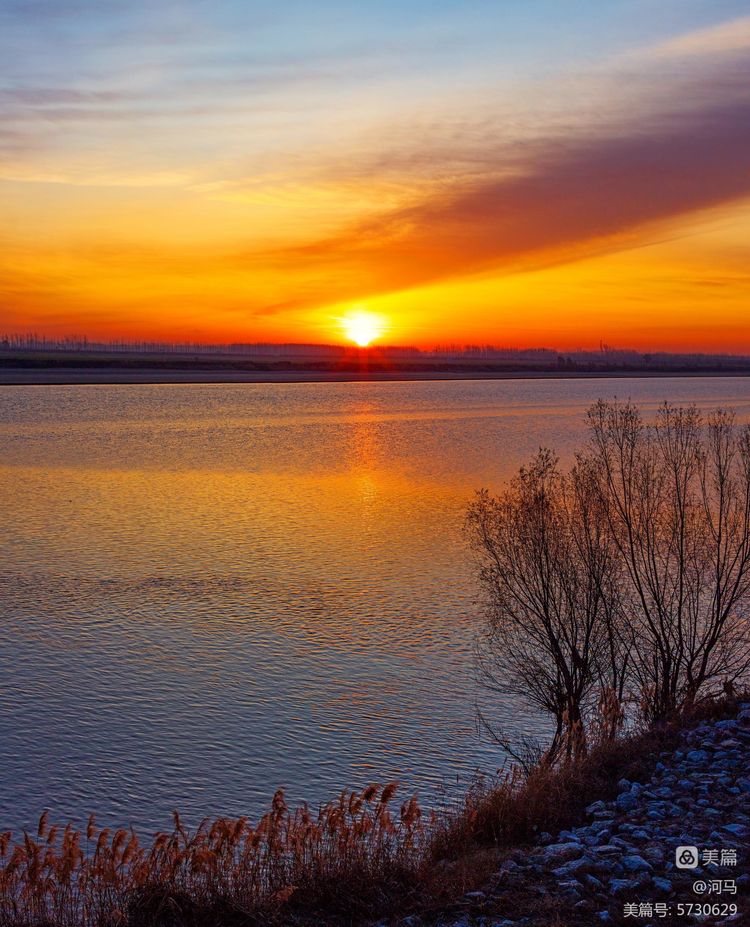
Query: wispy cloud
[721,39]
[571,197]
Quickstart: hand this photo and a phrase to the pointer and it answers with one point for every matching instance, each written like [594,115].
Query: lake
[211,591]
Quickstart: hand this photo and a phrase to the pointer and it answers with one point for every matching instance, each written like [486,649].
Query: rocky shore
[621,866]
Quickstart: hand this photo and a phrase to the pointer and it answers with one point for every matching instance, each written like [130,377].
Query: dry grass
[515,810]
[226,872]
[358,857]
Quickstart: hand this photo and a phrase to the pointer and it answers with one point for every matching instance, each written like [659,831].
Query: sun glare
[362,327]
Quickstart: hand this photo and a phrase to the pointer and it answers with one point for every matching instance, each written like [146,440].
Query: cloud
[52,96]
[574,197]
[722,39]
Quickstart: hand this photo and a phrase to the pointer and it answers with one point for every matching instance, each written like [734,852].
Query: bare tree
[546,563]
[676,495]
[624,580]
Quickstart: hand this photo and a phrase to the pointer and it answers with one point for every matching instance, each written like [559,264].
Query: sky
[526,173]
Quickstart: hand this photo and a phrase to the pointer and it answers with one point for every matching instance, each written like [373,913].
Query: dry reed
[290,859]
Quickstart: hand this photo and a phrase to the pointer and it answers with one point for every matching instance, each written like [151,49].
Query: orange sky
[541,194]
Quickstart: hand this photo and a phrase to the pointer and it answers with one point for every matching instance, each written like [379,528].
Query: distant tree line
[619,588]
[606,357]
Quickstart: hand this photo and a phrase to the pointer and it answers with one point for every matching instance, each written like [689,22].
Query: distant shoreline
[72,376]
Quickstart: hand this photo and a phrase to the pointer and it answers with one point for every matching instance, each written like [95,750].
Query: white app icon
[686,857]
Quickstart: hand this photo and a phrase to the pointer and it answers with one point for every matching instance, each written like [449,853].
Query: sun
[362,327]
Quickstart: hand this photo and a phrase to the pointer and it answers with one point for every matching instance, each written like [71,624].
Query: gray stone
[662,885]
[572,885]
[623,844]
[636,863]
[626,801]
[559,853]
[596,806]
[572,868]
[592,882]
[653,853]
[606,850]
[727,725]
[620,886]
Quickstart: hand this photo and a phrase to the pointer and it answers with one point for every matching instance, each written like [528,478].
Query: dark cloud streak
[574,198]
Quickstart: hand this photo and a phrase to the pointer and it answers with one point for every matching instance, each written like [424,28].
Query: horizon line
[80,343]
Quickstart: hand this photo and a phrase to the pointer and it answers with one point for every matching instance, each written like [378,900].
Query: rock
[597,806]
[562,852]
[626,801]
[573,885]
[620,842]
[572,868]
[662,885]
[636,863]
[621,886]
[607,849]
[698,756]
[727,725]
[653,853]
[475,896]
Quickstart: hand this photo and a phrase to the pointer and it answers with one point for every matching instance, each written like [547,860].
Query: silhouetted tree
[676,495]
[624,580]
[547,567]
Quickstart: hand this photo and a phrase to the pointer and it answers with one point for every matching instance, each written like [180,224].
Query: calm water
[207,592]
